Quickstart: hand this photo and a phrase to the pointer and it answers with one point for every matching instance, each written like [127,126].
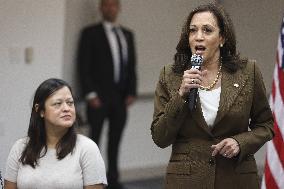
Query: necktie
[121,62]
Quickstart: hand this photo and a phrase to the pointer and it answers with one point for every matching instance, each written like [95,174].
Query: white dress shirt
[115,47]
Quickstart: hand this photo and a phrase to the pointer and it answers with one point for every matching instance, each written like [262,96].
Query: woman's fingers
[191,79]
[228,148]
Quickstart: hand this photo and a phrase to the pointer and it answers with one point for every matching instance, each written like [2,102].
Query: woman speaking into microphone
[213,144]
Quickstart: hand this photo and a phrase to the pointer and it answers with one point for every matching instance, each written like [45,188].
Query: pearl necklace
[208,88]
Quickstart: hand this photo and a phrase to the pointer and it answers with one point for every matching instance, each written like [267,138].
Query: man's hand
[95,102]
[129,100]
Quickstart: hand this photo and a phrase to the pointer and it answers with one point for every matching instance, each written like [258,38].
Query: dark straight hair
[229,55]
[36,145]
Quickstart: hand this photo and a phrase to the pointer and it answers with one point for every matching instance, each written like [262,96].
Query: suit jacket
[243,104]
[95,63]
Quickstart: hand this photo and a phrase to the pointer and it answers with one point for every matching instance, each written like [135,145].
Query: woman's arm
[261,123]
[169,112]
[10,185]
[97,186]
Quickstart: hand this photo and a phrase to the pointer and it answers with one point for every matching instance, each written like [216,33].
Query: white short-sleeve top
[83,167]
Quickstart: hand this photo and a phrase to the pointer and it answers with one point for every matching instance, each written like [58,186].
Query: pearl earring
[221,45]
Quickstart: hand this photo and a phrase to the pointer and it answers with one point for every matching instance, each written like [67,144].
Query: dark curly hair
[230,57]
[36,146]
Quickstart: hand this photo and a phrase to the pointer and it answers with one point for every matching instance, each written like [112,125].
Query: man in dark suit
[106,65]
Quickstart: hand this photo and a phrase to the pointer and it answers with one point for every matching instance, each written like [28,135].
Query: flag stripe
[275,166]
[263,183]
[273,93]
[281,82]
[278,143]
[269,178]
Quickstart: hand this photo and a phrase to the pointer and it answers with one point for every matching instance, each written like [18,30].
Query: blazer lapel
[105,49]
[104,39]
[231,86]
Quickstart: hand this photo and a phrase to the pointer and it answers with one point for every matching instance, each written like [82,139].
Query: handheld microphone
[196,62]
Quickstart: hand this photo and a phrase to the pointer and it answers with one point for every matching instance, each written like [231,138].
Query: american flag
[273,177]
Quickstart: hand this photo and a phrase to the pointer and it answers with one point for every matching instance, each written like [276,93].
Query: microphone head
[196,60]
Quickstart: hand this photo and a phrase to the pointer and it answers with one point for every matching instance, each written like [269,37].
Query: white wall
[77,15]
[29,23]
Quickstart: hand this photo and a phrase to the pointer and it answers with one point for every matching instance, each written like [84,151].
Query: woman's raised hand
[191,79]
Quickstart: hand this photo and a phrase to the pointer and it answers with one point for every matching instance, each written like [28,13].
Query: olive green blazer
[244,114]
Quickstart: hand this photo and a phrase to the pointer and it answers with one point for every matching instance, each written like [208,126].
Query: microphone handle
[192,96]
[196,62]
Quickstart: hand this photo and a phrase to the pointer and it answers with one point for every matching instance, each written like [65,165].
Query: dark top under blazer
[243,104]
[95,63]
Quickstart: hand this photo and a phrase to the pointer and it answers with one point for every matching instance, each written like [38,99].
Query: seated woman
[53,155]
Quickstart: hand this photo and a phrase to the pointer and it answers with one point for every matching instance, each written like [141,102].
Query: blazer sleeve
[261,123]
[169,113]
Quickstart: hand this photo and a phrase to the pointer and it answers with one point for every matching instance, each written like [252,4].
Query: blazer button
[212,161]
